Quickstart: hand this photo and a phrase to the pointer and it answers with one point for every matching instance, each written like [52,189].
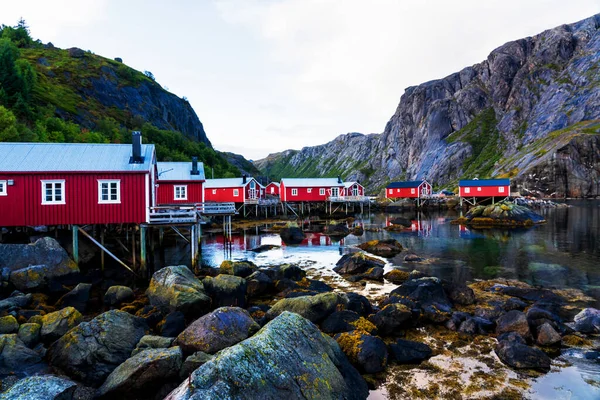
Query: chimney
[136,148]
[195,166]
[339,179]
[244,179]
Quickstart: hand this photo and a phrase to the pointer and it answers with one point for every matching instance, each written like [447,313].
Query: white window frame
[109,182]
[467,190]
[294,192]
[398,190]
[322,192]
[309,190]
[479,188]
[501,189]
[214,191]
[3,188]
[272,189]
[412,190]
[53,182]
[181,188]
[391,191]
[236,192]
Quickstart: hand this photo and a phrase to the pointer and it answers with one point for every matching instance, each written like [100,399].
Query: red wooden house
[180,182]
[353,189]
[233,190]
[484,188]
[408,190]
[272,189]
[310,189]
[76,183]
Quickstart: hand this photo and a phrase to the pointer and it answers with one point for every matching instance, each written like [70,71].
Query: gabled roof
[179,171]
[484,182]
[228,182]
[72,157]
[311,182]
[274,183]
[350,184]
[407,184]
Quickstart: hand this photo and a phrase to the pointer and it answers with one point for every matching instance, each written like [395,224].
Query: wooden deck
[348,199]
[188,214]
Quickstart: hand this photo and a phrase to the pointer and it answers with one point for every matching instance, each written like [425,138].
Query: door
[335,192]
[355,191]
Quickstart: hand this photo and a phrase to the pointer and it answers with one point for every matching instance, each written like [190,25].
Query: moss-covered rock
[8,324]
[238,268]
[41,387]
[314,308]
[175,288]
[115,295]
[357,263]
[226,290]
[29,334]
[152,342]
[56,324]
[397,276]
[383,248]
[504,214]
[368,353]
[391,318]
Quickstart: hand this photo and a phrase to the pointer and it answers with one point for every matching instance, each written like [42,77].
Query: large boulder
[513,321]
[14,355]
[175,288]
[504,213]
[41,387]
[217,330]
[340,321]
[288,359]
[357,263]
[34,266]
[258,283]
[238,268]
[29,334]
[152,342]
[459,293]
[8,324]
[397,276]
[142,374]
[547,335]
[291,235]
[115,295]
[226,290]
[16,300]
[368,353]
[78,297]
[383,248]
[588,321]
[56,324]
[408,352]
[194,362]
[530,294]
[391,318]
[92,350]
[423,291]
[513,352]
[314,308]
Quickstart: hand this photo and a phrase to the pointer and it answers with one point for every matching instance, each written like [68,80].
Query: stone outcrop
[48,387]
[175,288]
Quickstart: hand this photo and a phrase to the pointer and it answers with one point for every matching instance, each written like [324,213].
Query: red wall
[405,193]
[225,195]
[485,191]
[166,192]
[23,204]
[275,188]
[350,190]
[303,194]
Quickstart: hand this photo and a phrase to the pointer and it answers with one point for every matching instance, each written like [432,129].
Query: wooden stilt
[102,251]
[133,264]
[75,230]
[84,233]
[142,250]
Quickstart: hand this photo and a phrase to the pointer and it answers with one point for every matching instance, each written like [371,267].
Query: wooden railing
[262,202]
[348,199]
[215,208]
[188,214]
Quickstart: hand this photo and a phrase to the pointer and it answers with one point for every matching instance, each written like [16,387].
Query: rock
[456,319]
[391,318]
[76,52]
[238,268]
[118,59]
[436,313]
[226,290]
[588,321]
[374,274]
[77,298]
[424,291]
[15,355]
[531,294]
[92,350]
[408,352]
[412,258]
[42,387]
[176,288]
[56,324]
[547,336]
[194,362]
[152,315]
[152,342]
[383,248]
[513,321]
[357,263]
[459,293]
[8,324]
[314,308]
[116,295]
[289,358]
[258,283]
[405,222]
[340,321]
[514,304]
[172,325]
[491,314]
[265,247]
[29,334]
[143,373]
[291,235]
[292,272]
[468,327]
[359,304]
[337,230]
[217,330]
[519,355]
[368,353]
[358,230]
[503,213]
[396,276]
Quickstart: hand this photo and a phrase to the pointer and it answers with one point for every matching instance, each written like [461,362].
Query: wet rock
[374,274]
[291,235]
[459,293]
[513,321]
[217,330]
[405,222]
[152,342]
[408,352]
[258,283]
[116,295]
[265,247]
[391,318]
[383,248]
[397,276]
[530,294]
[547,336]
[357,263]
[504,213]
[56,324]
[15,355]
[194,362]
[456,319]
[92,350]
[293,272]
[514,304]
[172,325]
[226,290]
[175,288]
[491,314]
[468,327]
[484,326]
[436,313]
[42,387]
[358,230]
[77,298]
[143,373]
[302,363]
[237,268]
[588,321]
[368,353]
[359,304]
[412,258]
[8,324]
[340,321]
[518,355]
[424,291]
[29,334]
[314,308]
[152,315]
[337,230]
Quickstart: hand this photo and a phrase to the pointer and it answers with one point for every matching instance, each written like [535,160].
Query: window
[294,192]
[412,191]
[272,190]
[180,192]
[214,191]
[322,191]
[53,192]
[467,190]
[397,190]
[391,191]
[236,192]
[501,189]
[109,191]
[479,189]
[309,190]
[3,188]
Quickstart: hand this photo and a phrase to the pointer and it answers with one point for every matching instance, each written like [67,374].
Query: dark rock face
[531,294]
[76,52]
[56,324]
[357,263]
[237,268]
[302,363]
[314,308]
[41,387]
[77,298]
[547,336]
[176,288]
[226,290]
[408,352]
[588,321]
[460,293]
[258,283]
[291,235]
[193,362]
[116,295]
[424,291]
[368,353]
[383,248]
[391,318]
[217,330]
[172,325]
[359,304]
[92,350]
[516,354]
[340,321]
[513,321]
[14,355]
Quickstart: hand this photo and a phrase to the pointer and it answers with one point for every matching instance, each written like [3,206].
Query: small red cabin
[76,183]
[310,189]
[408,190]
[180,182]
[484,188]
[233,190]
[353,189]
[272,189]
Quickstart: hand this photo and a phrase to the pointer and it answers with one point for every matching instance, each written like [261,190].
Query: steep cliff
[528,112]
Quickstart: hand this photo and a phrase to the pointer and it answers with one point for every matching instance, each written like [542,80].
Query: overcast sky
[269,75]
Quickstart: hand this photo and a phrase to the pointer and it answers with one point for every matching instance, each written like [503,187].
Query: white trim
[147,196]
[479,188]
[109,182]
[294,192]
[322,192]
[236,192]
[53,182]
[309,190]
[180,187]
[412,190]
[214,191]
[3,188]
[467,190]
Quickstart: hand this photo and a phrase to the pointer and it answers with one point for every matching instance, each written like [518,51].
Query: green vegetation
[46,95]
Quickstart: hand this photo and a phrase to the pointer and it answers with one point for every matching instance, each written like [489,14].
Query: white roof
[228,182]
[72,157]
[179,171]
[311,182]
[274,183]
[350,184]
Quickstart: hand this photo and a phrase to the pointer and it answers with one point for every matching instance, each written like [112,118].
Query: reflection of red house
[180,182]
[233,190]
[408,190]
[272,189]
[484,188]
[310,189]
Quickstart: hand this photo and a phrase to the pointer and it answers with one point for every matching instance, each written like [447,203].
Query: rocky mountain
[237,160]
[530,111]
